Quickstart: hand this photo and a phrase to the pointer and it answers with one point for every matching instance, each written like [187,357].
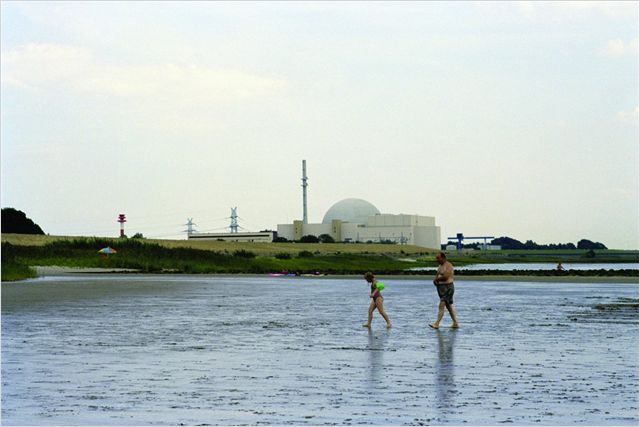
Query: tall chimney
[304,192]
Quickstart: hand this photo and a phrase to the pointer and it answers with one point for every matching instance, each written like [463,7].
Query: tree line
[511,243]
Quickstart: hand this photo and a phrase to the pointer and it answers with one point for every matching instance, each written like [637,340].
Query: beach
[133,349]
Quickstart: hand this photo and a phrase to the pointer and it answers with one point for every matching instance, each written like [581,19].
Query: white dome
[350,210]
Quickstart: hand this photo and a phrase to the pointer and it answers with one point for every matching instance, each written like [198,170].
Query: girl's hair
[368,276]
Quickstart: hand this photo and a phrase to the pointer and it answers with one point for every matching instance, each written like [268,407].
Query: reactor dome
[350,210]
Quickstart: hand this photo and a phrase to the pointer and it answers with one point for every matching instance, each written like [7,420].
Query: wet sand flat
[132,350]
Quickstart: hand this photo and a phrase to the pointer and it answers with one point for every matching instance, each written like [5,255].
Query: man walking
[444,284]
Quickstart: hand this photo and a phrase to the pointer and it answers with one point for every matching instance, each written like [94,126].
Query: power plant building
[356,220]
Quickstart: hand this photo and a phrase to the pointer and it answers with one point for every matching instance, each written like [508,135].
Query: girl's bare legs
[372,307]
[380,305]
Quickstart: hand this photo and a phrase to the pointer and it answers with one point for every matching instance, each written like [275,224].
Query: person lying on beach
[376,300]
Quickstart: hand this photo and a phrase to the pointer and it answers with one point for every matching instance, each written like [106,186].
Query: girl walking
[376,299]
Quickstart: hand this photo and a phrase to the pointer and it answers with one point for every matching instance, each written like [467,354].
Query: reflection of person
[444,284]
[376,300]
[375,347]
[445,377]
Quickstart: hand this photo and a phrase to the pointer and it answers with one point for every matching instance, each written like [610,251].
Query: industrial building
[356,220]
[258,236]
[349,220]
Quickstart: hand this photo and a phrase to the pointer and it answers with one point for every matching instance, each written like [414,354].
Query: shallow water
[542,266]
[218,350]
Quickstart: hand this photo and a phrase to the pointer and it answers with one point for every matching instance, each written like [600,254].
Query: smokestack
[304,192]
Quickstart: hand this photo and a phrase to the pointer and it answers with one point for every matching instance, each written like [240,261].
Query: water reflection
[445,371]
[376,344]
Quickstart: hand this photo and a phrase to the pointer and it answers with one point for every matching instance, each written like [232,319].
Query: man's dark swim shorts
[445,292]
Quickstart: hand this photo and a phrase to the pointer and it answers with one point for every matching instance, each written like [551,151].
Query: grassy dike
[20,252]
[148,257]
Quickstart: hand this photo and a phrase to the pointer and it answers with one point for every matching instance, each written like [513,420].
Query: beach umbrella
[108,250]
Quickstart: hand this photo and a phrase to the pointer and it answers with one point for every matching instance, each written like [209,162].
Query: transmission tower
[190,230]
[233,227]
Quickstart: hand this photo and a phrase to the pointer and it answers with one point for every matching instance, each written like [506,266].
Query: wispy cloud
[44,66]
[632,117]
[618,48]
[610,9]
[34,66]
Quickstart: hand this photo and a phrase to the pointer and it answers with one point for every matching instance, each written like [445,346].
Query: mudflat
[143,349]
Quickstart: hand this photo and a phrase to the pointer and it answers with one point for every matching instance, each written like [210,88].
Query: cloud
[36,65]
[607,8]
[618,48]
[573,9]
[632,117]
[47,66]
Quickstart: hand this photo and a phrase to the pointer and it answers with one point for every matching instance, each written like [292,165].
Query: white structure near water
[356,220]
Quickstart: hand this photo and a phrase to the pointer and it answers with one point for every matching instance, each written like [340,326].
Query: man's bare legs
[436,324]
[452,313]
[379,305]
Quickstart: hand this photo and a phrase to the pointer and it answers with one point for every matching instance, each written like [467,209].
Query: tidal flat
[201,350]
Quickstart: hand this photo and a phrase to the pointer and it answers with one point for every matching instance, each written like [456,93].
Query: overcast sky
[503,119]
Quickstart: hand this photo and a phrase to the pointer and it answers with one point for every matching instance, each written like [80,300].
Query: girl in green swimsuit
[376,300]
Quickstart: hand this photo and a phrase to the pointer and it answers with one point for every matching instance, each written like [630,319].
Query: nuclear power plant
[351,221]
[356,220]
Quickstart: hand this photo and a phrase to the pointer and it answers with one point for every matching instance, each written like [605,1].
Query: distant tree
[559,246]
[15,221]
[137,236]
[326,238]
[309,238]
[588,244]
[280,240]
[508,243]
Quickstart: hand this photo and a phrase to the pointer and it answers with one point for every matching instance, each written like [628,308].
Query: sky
[501,119]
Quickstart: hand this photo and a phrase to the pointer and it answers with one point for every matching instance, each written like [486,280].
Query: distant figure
[560,267]
[376,300]
[444,284]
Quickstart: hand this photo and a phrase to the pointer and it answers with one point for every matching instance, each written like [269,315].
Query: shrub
[241,253]
[305,254]
[309,238]
[326,238]
[283,255]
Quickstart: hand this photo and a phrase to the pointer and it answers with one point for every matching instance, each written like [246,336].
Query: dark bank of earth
[149,257]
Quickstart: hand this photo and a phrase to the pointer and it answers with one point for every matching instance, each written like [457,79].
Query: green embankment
[153,258]
[183,256]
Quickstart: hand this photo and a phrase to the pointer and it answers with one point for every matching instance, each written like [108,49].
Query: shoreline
[44,271]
